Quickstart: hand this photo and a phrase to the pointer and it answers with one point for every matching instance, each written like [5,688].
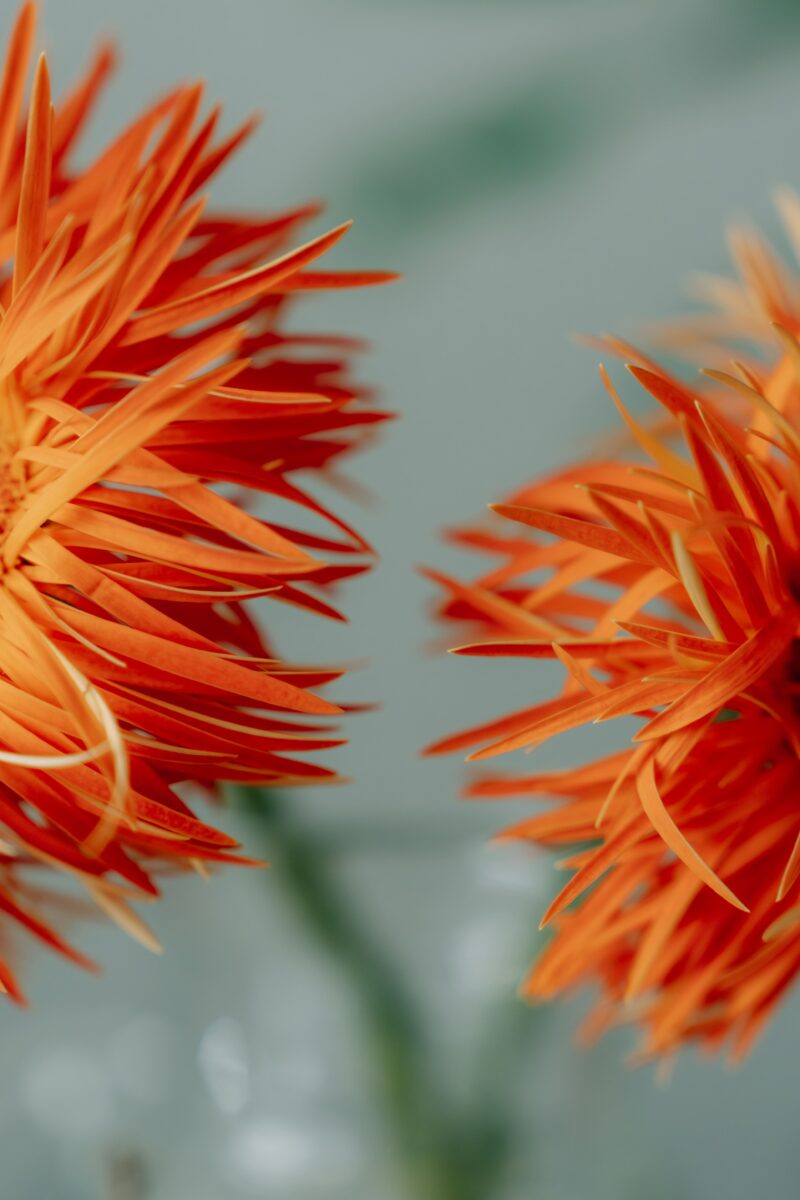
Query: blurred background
[345,1025]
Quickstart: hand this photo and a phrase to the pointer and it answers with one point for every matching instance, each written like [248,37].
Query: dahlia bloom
[143,362]
[666,581]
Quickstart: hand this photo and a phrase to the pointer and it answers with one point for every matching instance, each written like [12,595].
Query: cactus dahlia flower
[666,582]
[145,382]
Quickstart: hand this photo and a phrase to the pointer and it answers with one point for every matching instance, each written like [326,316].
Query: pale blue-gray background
[533,169]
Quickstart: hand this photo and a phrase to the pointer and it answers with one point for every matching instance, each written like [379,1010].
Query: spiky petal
[668,586]
[148,387]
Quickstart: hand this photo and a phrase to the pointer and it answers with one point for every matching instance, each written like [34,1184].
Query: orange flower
[764,292]
[143,362]
[670,592]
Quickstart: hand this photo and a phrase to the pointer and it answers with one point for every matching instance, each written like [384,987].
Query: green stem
[445,1158]
[125,1176]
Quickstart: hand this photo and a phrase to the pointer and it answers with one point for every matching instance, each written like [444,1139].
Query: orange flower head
[666,581]
[146,384]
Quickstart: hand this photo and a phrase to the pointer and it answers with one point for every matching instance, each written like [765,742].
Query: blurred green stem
[446,1155]
[125,1176]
